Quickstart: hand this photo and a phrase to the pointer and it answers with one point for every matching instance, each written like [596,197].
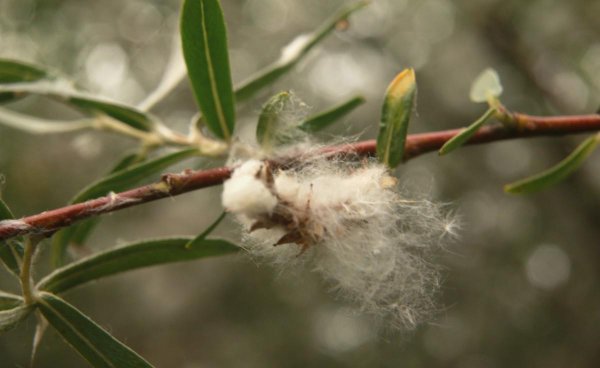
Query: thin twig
[174,184]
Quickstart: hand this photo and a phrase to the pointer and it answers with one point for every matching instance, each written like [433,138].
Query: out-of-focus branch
[174,184]
[535,64]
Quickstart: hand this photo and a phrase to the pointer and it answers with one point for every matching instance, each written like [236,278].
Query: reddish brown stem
[174,184]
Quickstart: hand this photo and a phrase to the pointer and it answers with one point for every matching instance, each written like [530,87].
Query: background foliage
[520,287]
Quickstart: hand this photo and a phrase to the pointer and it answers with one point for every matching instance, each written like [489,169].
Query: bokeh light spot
[548,267]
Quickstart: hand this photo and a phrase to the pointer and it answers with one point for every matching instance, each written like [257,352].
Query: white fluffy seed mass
[246,194]
[348,222]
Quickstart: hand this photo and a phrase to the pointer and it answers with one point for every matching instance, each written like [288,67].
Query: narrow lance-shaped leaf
[12,71]
[74,235]
[128,160]
[94,343]
[9,318]
[115,182]
[324,119]
[9,301]
[5,212]
[293,53]
[123,179]
[204,42]
[397,108]
[63,91]
[130,257]
[9,253]
[34,125]
[466,134]
[40,330]
[270,122]
[77,234]
[557,173]
[126,114]
[198,241]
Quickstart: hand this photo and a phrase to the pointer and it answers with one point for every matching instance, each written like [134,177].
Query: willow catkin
[350,223]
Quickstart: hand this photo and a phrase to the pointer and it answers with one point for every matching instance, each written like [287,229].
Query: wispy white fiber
[349,222]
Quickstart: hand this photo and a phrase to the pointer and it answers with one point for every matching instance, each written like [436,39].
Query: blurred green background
[520,284]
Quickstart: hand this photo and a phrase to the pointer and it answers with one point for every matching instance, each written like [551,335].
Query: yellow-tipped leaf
[395,116]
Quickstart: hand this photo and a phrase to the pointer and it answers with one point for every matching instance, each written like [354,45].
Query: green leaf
[8,251]
[486,86]
[10,254]
[75,234]
[465,134]
[35,125]
[9,301]
[130,176]
[78,233]
[270,124]
[5,212]
[116,182]
[278,123]
[204,42]
[63,91]
[324,119]
[556,173]
[95,344]
[293,53]
[10,317]
[40,330]
[130,257]
[12,71]
[128,160]
[395,116]
[199,240]
[126,114]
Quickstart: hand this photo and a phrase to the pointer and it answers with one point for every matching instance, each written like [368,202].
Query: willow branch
[174,184]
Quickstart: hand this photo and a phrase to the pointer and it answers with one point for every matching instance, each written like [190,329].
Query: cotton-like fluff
[348,222]
[245,192]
